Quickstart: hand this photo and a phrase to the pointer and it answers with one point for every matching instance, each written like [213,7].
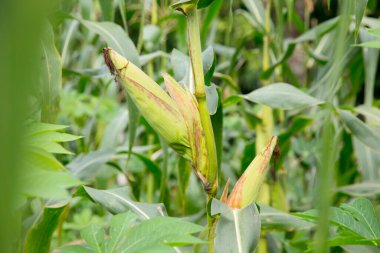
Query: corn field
[190,126]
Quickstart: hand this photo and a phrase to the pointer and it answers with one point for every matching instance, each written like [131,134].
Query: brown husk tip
[107,59]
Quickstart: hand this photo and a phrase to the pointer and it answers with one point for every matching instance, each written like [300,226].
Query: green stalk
[200,94]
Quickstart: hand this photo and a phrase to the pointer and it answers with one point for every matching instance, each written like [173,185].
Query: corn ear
[247,188]
[187,105]
[152,101]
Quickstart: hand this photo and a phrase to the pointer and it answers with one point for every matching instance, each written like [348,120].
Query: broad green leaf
[45,137]
[51,79]
[94,234]
[273,219]
[360,130]
[115,37]
[47,184]
[120,224]
[282,96]
[238,230]
[75,249]
[119,200]
[349,240]
[128,234]
[40,159]
[37,128]
[160,234]
[340,218]
[363,189]
[361,249]
[38,238]
[363,211]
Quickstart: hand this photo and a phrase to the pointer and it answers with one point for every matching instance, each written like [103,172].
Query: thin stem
[200,94]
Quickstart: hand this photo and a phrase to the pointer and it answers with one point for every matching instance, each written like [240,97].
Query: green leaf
[375,32]
[38,238]
[257,11]
[363,189]
[204,3]
[370,44]
[370,60]
[360,6]
[212,98]
[119,200]
[238,230]
[129,235]
[289,48]
[94,234]
[45,137]
[217,126]
[120,224]
[360,130]
[273,219]
[208,60]
[115,37]
[363,211]
[340,218]
[210,16]
[282,96]
[47,184]
[107,9]
[368,161]
[318,31]
[51,79]
[85,166]
[184,170]
[40,159]
[160,234]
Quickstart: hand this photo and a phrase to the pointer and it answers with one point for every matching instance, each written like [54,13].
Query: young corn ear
[247,188]
[187,105]
[161,112]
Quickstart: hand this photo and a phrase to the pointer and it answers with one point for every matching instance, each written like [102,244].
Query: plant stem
[200,94]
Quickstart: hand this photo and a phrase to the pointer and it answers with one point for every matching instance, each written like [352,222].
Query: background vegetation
[95,177]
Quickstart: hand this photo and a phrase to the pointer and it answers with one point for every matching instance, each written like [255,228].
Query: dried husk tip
[247,188]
